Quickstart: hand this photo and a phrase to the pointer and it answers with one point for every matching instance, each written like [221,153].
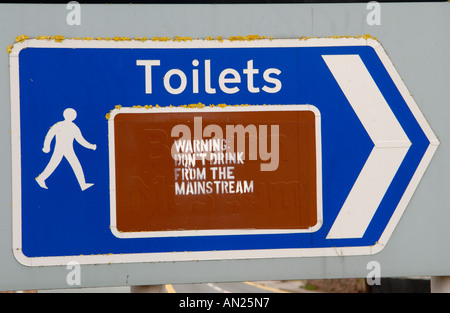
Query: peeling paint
[21,38]
[44,37]
[122,39]
[198,105]
[160,38]
[58,38]
[366,36]
[178,38]
[248,38]
[61,38]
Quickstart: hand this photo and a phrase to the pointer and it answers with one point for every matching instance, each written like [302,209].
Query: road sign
[352,145]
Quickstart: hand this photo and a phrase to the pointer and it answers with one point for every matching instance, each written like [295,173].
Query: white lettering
[180,89]
[148,72]
[208,88]
[272,80]
[195,77]
[226,79]
[249,71]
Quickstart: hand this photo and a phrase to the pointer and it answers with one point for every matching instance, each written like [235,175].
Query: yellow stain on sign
[21,38]
[61,38]
[198,105]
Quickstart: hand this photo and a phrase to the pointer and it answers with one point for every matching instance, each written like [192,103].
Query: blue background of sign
[63,220]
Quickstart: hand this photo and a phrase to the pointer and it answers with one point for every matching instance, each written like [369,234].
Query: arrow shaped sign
[390,145]
[336,148]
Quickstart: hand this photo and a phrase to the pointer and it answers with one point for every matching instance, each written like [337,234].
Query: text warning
[245,168]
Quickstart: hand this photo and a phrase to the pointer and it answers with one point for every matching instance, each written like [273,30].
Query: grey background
[415,36]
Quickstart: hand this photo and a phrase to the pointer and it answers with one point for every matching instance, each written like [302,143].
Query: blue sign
[375,144]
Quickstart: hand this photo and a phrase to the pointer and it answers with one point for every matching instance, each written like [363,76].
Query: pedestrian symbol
[64,133]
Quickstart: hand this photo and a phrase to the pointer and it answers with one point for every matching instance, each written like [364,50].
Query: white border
[207,255]
[214,232]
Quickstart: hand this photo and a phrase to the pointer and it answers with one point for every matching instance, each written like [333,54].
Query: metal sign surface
[120,198]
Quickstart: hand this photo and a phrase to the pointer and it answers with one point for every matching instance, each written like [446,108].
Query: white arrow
[390,145]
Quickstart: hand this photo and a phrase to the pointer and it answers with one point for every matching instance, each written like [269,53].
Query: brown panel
[146,175]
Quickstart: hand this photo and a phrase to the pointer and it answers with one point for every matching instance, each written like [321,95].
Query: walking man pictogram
[65,132]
